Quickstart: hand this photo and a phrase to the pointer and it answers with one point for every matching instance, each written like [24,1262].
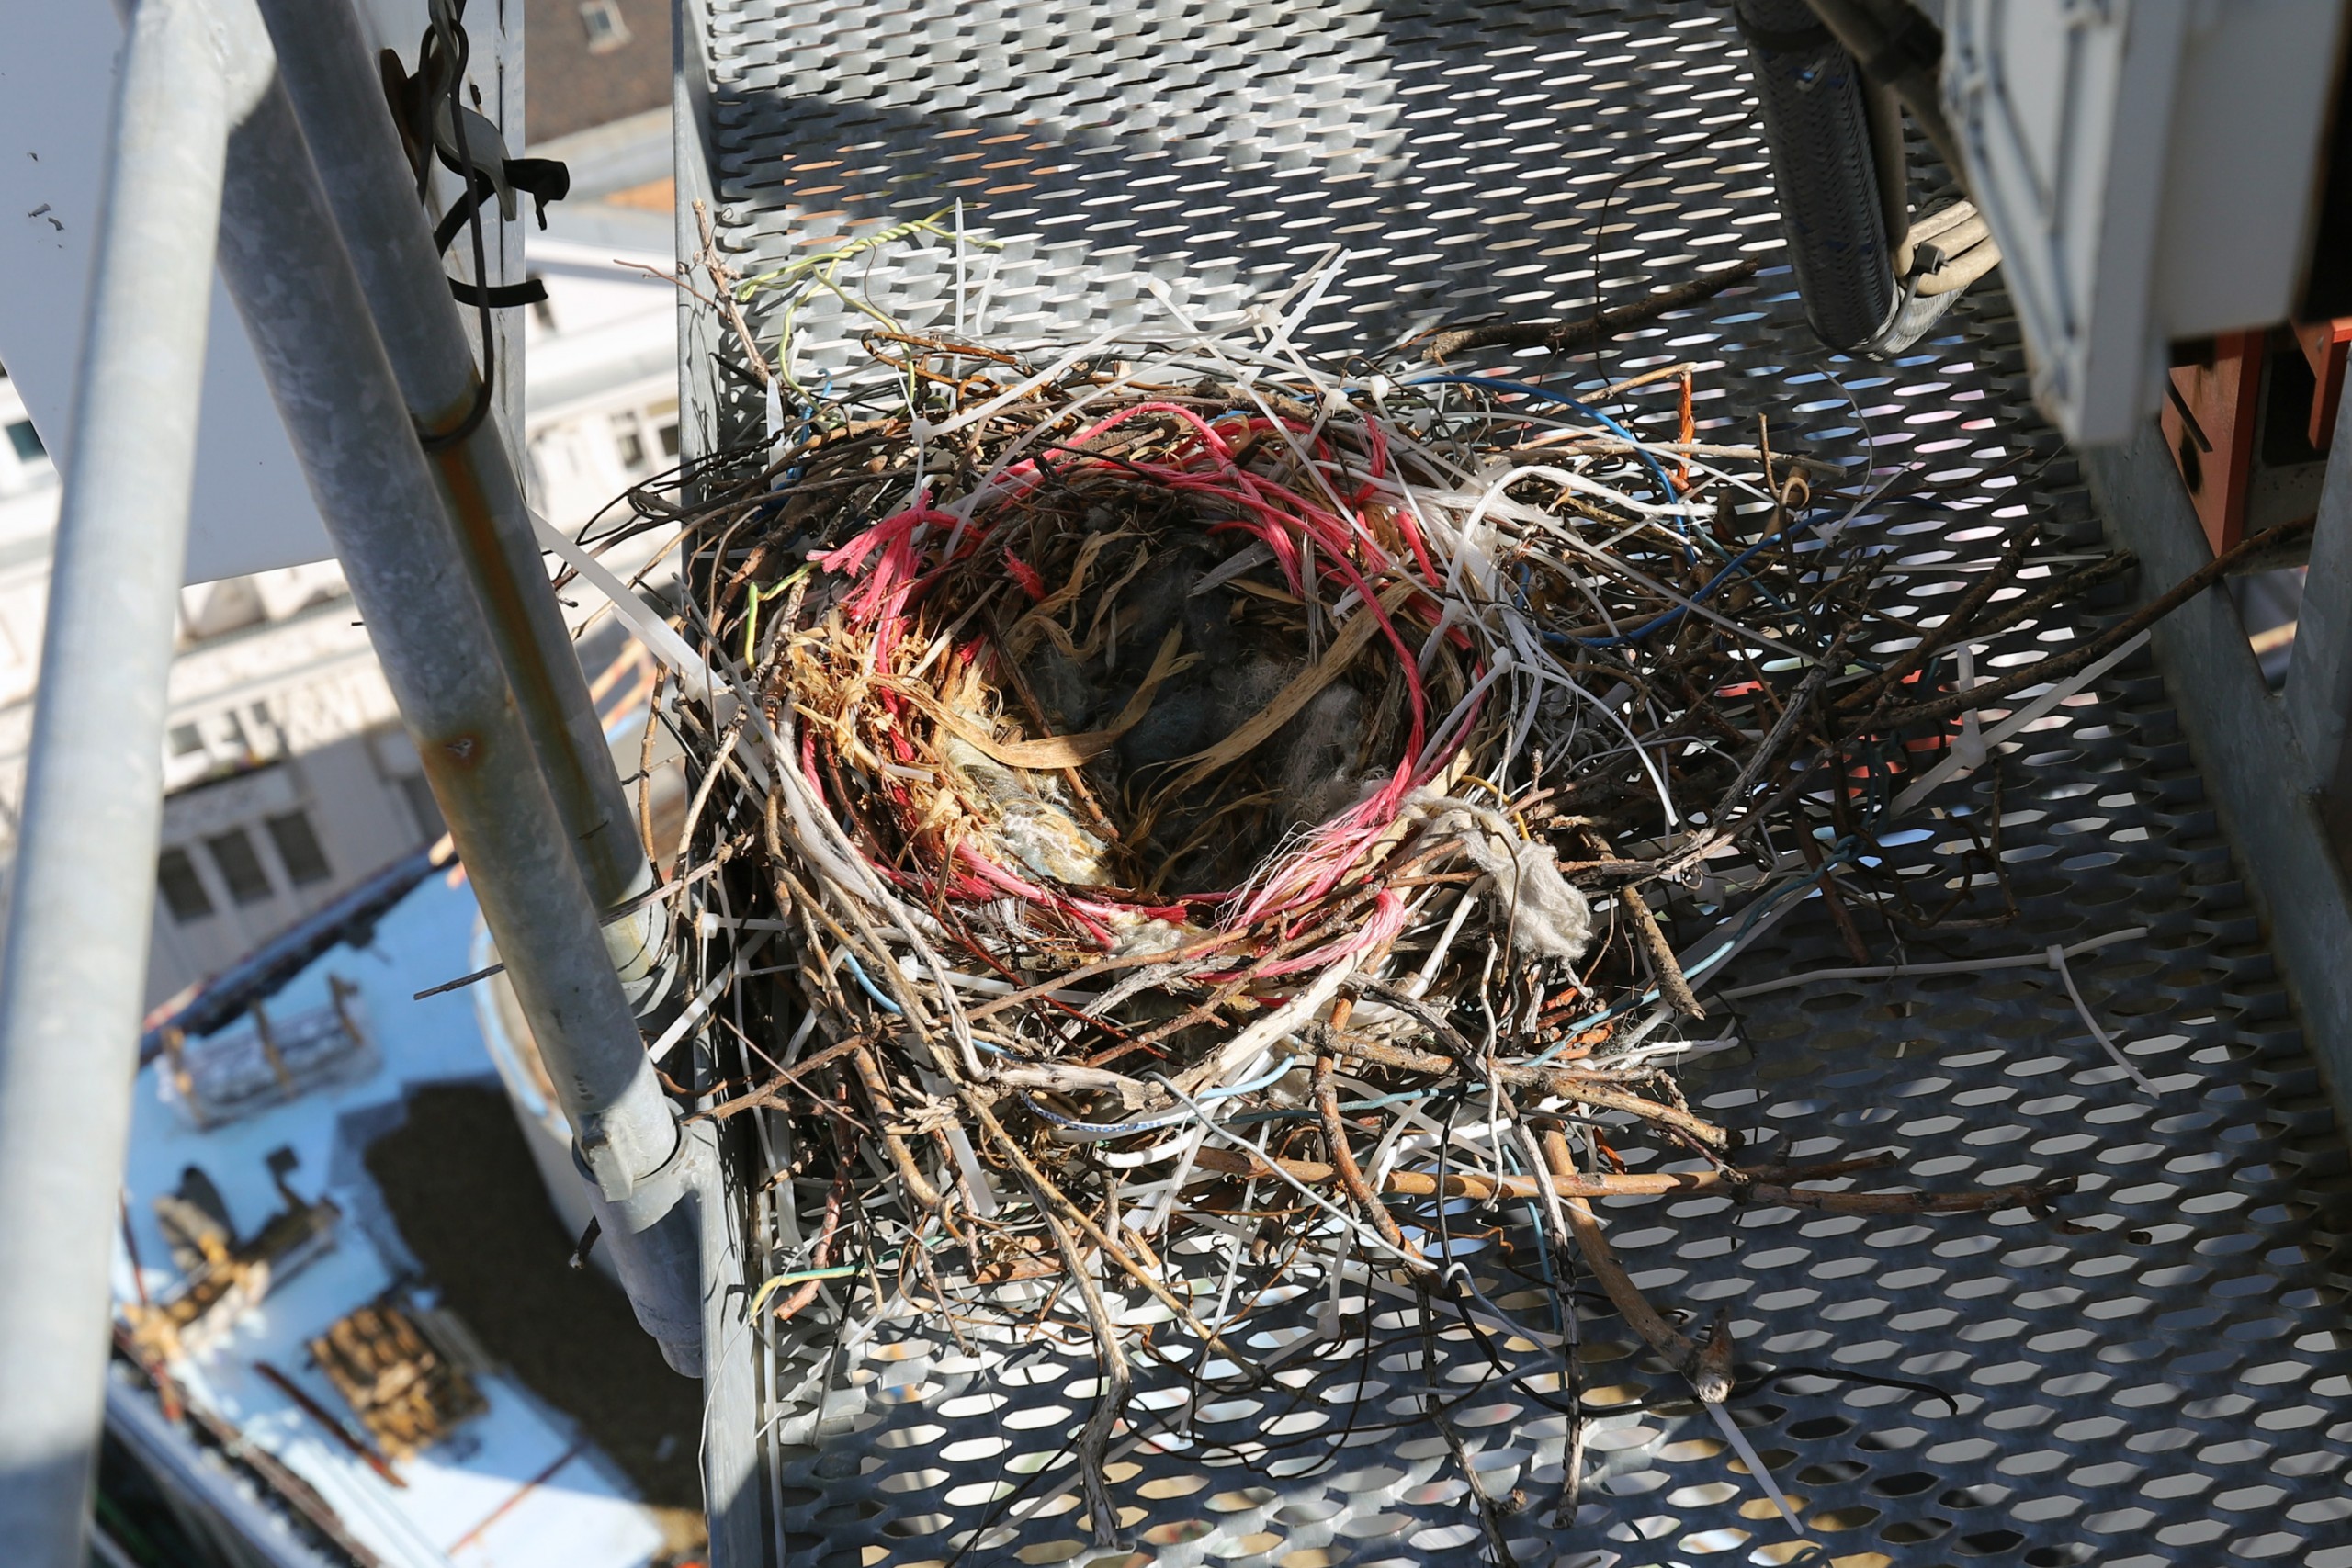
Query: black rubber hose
[1818,130]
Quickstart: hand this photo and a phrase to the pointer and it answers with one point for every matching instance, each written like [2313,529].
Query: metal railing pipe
[300,294]
[76,954]
[338,96]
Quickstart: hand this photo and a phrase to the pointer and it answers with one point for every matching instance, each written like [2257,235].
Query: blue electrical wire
[857,972]
[1154,1124]
[1530,389]
[1735,564]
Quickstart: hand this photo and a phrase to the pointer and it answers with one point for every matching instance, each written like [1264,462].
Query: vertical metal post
[69,982]
[297,288]
[333,80]
[2318,692]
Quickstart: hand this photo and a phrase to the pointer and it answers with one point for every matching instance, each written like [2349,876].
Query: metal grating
[2161,1379]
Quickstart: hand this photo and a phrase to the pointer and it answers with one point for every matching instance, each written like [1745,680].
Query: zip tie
[705,997]
[1903,971]
[1757,1468]
[2057,958]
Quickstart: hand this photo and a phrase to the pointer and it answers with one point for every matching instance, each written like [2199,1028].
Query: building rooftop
[592,61]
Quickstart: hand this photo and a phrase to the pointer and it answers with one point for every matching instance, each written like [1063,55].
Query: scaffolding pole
[76,954]
[299,290]
[333,79]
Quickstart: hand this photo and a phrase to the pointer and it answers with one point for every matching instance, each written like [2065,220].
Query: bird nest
[1183,793]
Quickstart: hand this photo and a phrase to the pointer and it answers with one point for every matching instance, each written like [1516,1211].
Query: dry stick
[1489,1521]
[357,1447]
[2008,612]
[1956,623]
[1579,1087]
[1671,983]
[1112,1402]
[724,277]
[1799,700]
[772,1092]
[2115,637]
[1039,1182]
[1631,1305]
[1714,836]
[1343,1160]
[1839,914]
[877,1090]
[645,768]
[1563,337]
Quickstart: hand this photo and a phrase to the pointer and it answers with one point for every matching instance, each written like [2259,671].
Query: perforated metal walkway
[2161,1379]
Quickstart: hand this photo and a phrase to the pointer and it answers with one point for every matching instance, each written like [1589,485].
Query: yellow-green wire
[752,613]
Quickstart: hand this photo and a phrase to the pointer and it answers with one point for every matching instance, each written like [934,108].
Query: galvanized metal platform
[2162,1377]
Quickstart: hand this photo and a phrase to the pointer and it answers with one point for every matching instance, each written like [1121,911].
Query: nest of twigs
[1153,791]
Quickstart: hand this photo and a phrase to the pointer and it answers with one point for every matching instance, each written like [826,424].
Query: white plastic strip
[1756,1467]
[2056,959]
[650,628]
[1955,765]
[705,997]
[1896,971]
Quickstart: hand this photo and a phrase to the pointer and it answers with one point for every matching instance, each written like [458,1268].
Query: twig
[1110,1401]
[2060,665]
[1563,337]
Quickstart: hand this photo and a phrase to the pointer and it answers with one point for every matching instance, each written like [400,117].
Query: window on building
[183,890]
[606,28]
[240,866]
[422,807]
[298,849]
[187,740]
[667,435]
[27,441]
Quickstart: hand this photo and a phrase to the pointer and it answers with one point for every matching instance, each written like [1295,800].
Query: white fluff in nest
[1548,917]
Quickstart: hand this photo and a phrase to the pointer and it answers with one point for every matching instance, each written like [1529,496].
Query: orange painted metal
[2325,344]
[2209,418]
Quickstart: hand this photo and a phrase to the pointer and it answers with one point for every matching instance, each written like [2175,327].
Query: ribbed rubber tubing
[1819,139]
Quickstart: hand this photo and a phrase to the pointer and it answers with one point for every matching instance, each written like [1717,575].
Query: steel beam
[2264,777]
[76,955]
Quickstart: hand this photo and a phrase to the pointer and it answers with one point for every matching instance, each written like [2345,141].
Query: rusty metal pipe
[332,79]
[300,295]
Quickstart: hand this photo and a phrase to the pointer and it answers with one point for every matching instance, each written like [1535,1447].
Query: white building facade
[289,773]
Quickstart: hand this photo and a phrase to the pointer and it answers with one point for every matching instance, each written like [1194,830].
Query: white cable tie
[2057,957]
[1952,764]
[705,997]
[1756,1467]
[652,629]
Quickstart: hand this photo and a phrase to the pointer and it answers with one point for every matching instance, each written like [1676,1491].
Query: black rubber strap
[454,221]
[530,291]
[545,180]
